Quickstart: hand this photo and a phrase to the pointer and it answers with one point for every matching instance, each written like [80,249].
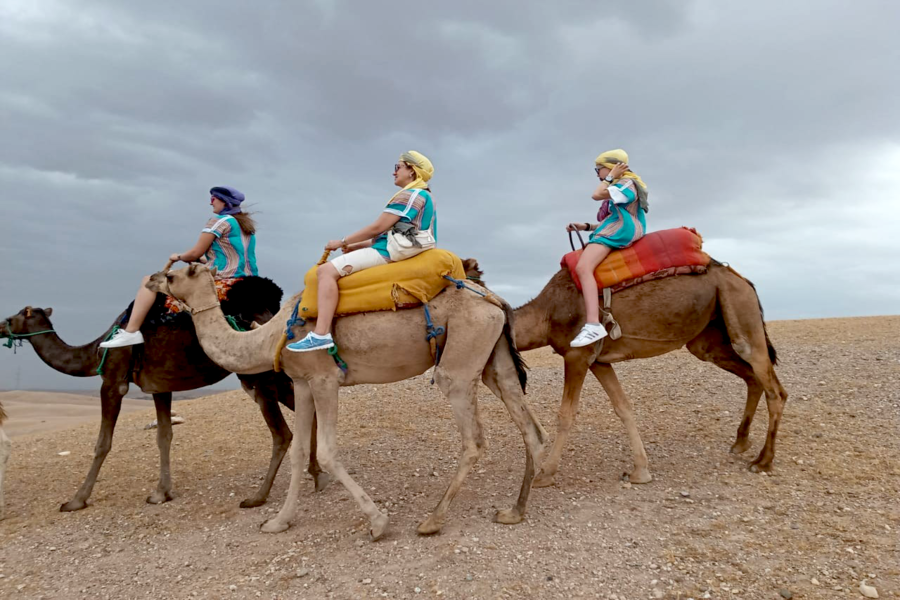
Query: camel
[717,315]
[171,360]
[5,448]
[379,347]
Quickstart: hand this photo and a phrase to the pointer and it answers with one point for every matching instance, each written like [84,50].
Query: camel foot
[544,480]
[740,446]
[758,467]
[430,526]
[252,502]
[510,516]
[378,525]
[73,505]
[158,497]
[639,476]
[273,526]
[323,480]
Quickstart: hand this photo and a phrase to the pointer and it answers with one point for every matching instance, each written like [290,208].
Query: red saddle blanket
[654,256]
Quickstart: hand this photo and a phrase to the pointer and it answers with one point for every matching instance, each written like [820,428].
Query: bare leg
[327,277]
[592,256]
[143,300]
[163,491]
[460,390]
[5,450]
[304,410]
[625,410]
[111,400]
[500,376]
[576,366]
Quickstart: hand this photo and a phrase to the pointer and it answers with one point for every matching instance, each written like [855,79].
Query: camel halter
[12,338]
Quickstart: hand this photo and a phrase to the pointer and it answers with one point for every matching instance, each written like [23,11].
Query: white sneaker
[122,338]
[590,333]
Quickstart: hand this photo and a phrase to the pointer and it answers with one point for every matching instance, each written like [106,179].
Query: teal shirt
[233,252]
[412,206]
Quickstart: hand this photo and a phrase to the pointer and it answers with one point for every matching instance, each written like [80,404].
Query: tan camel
[717,315]
[381,347]
[5,449]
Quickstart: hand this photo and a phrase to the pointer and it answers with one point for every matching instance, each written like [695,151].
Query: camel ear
[213,272]
[28,310]
[48,311]
[192,268]
[255,325]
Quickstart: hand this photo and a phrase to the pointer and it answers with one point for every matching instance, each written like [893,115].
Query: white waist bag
[401,247]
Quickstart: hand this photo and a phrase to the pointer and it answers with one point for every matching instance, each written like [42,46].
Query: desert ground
[824,521]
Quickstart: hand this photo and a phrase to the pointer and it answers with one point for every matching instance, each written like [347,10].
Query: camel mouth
[4,329]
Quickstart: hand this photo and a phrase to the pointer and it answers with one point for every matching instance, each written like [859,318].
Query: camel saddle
[404,284]
[655,256]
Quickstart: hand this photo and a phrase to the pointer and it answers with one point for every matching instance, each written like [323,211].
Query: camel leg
[304,413]
[625,411]
[111,402]
[5,450]
[163,492]
[460,390]
[281,438]
[743,320]
[500,376]
[576,366]
[321,478]
[713,346]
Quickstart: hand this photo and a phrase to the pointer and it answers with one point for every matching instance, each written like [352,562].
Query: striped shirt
[626,222]
[412,206]
[233,252]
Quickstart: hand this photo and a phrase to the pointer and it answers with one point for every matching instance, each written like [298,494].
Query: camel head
[193,285]
[27,320]
[473,271]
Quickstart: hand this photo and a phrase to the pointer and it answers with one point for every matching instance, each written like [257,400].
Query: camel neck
[78,361]
[532,326]
[244,353]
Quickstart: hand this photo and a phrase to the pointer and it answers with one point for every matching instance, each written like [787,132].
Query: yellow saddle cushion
[403,284]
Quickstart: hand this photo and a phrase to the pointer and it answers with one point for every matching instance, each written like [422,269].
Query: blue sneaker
[312,342]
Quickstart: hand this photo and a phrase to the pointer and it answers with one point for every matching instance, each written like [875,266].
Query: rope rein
[15,340]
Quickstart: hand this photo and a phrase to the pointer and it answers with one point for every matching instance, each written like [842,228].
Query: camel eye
[169,277]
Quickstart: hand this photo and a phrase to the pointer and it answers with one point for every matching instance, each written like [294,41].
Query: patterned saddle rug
[655,256]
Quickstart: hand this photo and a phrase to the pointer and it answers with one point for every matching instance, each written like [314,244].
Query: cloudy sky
[771,127]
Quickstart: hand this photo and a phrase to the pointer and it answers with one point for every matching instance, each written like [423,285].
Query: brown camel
[717,315]
[171,360]
[381,347]
[5,448]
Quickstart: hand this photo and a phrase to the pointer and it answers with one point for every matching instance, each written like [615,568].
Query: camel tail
[509,333]
[773,355]
[2,414]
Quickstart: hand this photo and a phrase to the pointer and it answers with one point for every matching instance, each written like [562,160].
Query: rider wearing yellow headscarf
[622,222]
[367,247]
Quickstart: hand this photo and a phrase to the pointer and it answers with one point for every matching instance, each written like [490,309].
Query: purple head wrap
[231,197]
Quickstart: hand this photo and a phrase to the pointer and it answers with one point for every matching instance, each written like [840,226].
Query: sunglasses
[398,166]
[597,170]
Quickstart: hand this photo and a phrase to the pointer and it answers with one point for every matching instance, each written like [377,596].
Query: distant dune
[36,412]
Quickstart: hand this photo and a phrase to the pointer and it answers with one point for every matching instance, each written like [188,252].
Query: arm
[602,191]
[384,222]
[199,249]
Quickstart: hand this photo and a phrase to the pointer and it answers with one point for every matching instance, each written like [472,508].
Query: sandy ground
[826,519]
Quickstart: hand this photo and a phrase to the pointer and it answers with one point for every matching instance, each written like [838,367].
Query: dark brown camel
[170,360]
[717,315]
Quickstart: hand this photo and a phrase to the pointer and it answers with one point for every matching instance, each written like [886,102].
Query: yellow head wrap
[610,158]
[422,168]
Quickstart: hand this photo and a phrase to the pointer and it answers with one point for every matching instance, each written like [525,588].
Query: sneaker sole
[310,349]
[574,345]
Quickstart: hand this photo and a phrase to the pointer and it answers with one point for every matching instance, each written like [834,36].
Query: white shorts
[364,258]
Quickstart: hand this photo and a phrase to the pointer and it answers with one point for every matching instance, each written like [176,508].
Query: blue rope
[460,284]
[432,333]
[295,319]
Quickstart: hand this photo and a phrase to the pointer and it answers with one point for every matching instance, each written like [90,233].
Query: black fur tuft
[509,332]
[251,297]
